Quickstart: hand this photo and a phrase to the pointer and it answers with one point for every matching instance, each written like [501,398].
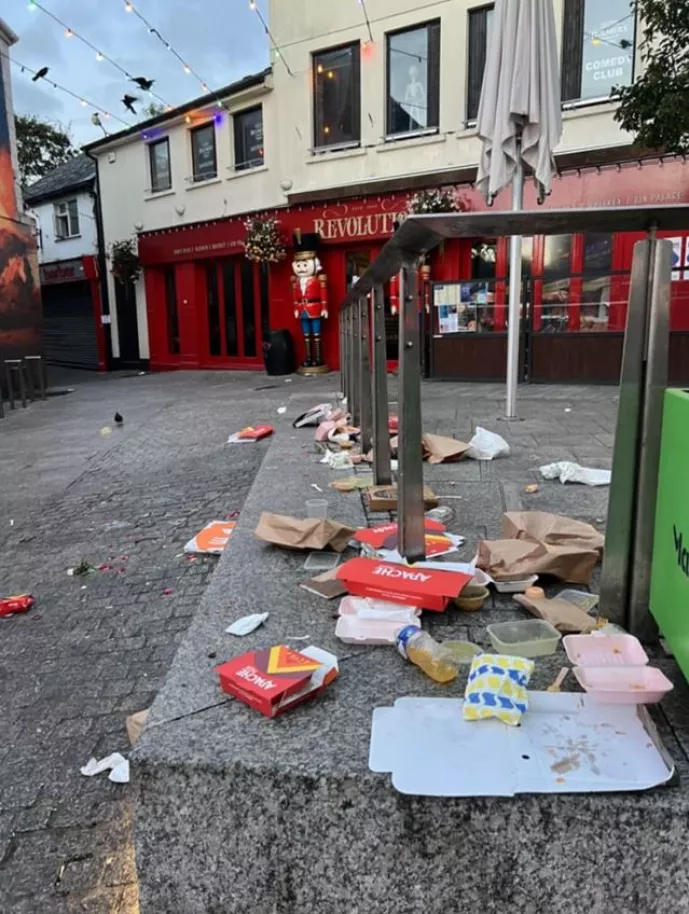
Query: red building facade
[209,307]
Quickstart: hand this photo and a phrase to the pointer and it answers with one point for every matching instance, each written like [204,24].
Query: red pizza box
[255,433]
[276,679]
[412,585]
[384,536]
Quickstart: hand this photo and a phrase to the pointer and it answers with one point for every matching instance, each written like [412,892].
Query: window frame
[151,146]
[318,148]
[247,164]
[196,178]
[574,50]
[484,9]
[62,211]
[433,77]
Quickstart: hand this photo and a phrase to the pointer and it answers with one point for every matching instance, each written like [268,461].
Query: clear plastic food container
[531,638]
[515,586]
[623,685]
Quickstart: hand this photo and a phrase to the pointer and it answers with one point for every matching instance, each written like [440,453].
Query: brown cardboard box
[384,498]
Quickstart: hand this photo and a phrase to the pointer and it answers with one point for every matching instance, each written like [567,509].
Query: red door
[232,314]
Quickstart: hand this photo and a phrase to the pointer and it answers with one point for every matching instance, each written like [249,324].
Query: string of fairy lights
[85,102]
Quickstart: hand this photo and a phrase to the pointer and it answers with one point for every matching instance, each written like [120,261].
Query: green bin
[670,567]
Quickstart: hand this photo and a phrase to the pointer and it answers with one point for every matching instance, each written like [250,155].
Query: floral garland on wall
[124,259]
[435,201]
[264,242]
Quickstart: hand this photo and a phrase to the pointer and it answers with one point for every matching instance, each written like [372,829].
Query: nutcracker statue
[310,296]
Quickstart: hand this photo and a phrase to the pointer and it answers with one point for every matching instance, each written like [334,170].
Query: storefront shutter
[69,325]
[572,49]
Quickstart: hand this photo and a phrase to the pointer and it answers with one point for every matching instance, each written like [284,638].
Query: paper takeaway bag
[516,559]
[303,533]
[565,616]
[439,449]
[551,529]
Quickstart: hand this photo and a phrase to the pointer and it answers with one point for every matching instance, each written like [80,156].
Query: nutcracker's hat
[306,245]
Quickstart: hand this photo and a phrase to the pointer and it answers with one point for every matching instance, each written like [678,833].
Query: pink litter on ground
[167,591]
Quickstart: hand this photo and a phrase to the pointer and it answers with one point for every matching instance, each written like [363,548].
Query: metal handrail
[416,237]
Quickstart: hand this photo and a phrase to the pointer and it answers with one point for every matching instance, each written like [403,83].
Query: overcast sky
[222,40]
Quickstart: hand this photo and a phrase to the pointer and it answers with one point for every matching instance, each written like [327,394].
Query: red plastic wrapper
[19,604]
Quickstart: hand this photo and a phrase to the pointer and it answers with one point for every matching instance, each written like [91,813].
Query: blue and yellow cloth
[497,688]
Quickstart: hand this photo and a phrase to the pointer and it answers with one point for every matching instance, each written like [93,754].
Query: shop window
[413,80]
[213,306]
[230,306]
[248,307]
[464,307]
[159,163]
[337,102]
[557,257]
[203,153]
[527,256]
[597,48]
[66,216]
[171,312]
[595,287]
[248,139]
[483,259]
[479,27]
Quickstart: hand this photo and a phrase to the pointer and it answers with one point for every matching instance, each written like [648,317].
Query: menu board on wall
[204,153]
[463,307]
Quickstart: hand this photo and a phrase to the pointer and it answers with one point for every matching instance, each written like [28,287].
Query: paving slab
[238,813]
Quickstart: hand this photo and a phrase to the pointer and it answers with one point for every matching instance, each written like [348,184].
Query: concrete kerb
[243,815]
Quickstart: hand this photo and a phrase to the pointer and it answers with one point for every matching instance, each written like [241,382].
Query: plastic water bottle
[425,652]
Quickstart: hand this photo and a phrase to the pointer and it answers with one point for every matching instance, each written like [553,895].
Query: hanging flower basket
[125,265]
[435,201]
[264,242]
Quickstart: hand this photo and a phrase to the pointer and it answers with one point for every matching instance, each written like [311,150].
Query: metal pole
[625,580]
[343,356]
[657,344]
[356,366]
[514,313]
[382,475]
[350,357]
[365,406]
[410,505]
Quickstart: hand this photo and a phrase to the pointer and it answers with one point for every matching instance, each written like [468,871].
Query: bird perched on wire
[143,83]
[118,419]
[128,102]
[40,74]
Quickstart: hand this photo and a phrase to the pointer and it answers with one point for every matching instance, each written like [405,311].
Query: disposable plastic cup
[317,508]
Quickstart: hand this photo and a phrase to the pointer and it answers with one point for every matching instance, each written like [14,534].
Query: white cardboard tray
[566,744]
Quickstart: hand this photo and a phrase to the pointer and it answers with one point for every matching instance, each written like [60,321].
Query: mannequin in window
[415,101]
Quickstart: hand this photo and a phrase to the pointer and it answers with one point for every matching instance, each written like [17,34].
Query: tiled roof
[76,173]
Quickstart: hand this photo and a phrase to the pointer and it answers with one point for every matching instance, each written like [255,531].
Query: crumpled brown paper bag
[439,449]
[516,559]
[565,616]
[303,533]
[551,529]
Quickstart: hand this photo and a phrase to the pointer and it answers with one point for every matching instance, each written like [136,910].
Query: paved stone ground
[95,649]
[76,665]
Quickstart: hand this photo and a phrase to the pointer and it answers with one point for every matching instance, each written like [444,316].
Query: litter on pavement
[212,539]
[116,764]
[247,625]
[487,445]
[567,471]
[10,606]
[251,434]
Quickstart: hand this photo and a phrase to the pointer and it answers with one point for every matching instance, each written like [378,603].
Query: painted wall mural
[20,292]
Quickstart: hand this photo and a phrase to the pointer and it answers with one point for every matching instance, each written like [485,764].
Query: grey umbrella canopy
[519,121]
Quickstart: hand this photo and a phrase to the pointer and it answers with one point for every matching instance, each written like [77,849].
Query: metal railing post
[351,360]
[343,355]
[356,364]
[410,505]
[382,475]
[365,405]
[626,575]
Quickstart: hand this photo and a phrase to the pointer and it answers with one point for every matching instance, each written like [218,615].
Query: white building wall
[53,248]
[302,27]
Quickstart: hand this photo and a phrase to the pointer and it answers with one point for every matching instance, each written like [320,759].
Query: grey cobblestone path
[97,648]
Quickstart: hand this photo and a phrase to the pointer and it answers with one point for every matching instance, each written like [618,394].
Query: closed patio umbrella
[519,121]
